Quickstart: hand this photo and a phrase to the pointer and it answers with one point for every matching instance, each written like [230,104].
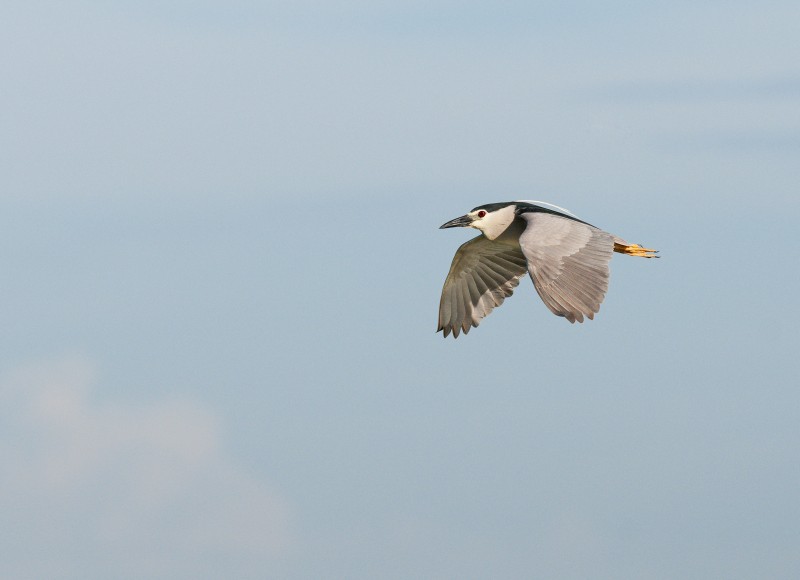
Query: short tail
[624,247]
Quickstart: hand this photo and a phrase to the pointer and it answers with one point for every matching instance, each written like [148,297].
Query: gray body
[566,258]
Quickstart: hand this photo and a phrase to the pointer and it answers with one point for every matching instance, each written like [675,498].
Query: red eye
[481,214]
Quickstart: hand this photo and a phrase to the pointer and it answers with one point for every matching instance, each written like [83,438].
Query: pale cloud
[92,488]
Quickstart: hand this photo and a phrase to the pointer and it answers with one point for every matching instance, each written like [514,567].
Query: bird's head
[491,219]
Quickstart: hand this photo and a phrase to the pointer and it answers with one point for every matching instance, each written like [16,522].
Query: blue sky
[222,268]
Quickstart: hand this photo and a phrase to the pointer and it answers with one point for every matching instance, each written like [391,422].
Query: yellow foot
[635,250]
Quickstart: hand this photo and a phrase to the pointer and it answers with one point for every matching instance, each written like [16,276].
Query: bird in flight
[567,259]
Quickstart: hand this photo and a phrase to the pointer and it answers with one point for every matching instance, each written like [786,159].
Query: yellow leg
[635,250]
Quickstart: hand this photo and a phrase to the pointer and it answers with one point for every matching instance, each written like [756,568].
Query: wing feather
[483,274]
[568,263]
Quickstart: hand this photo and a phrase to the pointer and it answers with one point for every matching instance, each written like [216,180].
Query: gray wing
[483,274]
[568,263]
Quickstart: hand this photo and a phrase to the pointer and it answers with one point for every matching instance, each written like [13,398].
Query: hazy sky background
[221,272]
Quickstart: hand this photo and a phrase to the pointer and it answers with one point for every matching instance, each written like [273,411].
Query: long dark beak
[459,222]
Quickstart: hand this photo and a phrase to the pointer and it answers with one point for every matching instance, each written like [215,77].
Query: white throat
[495,223]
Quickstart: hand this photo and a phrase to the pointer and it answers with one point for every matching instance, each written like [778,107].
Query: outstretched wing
[483,274]
[568,263]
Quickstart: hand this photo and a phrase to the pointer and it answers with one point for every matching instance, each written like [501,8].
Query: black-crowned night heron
[566,258]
